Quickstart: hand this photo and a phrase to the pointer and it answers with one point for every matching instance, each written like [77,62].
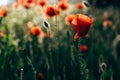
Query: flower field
[43,40]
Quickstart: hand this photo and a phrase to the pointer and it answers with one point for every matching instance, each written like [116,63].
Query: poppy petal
[76,36]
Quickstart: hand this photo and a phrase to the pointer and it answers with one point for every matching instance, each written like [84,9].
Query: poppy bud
[46,24]
[86,3]
[103,66]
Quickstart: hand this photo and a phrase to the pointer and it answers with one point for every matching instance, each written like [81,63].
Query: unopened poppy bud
[103,66]
[86,3]
[46,24]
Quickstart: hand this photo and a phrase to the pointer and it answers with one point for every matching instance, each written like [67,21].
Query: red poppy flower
[28,3]
[63,5]
[80,5]
[81,23]
[36,31]
[42,3]
[1,34]
[41,75]
[69,18]
[52,11]
[107,23]
[83,48]
[3,12]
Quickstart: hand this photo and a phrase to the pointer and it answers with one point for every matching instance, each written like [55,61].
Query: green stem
[33,69]
[21,74]
[81,62]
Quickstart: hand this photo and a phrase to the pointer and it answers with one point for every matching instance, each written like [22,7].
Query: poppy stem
[55,12]
[82,63]
[57,24]
[51,60]
[79,56]
[35,75]
[33,68]
[21,74]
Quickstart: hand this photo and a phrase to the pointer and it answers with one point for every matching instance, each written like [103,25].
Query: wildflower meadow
[60,40]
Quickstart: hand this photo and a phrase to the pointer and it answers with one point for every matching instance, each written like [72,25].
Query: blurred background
[98,3]
[37,43]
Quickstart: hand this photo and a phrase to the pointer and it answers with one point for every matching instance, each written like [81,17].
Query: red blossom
[52,11]
[63,5]
[3,12]
[36,31]
[80,5]
[28,3]
[107,23]
[83,48]
[42,3]
[81,23]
